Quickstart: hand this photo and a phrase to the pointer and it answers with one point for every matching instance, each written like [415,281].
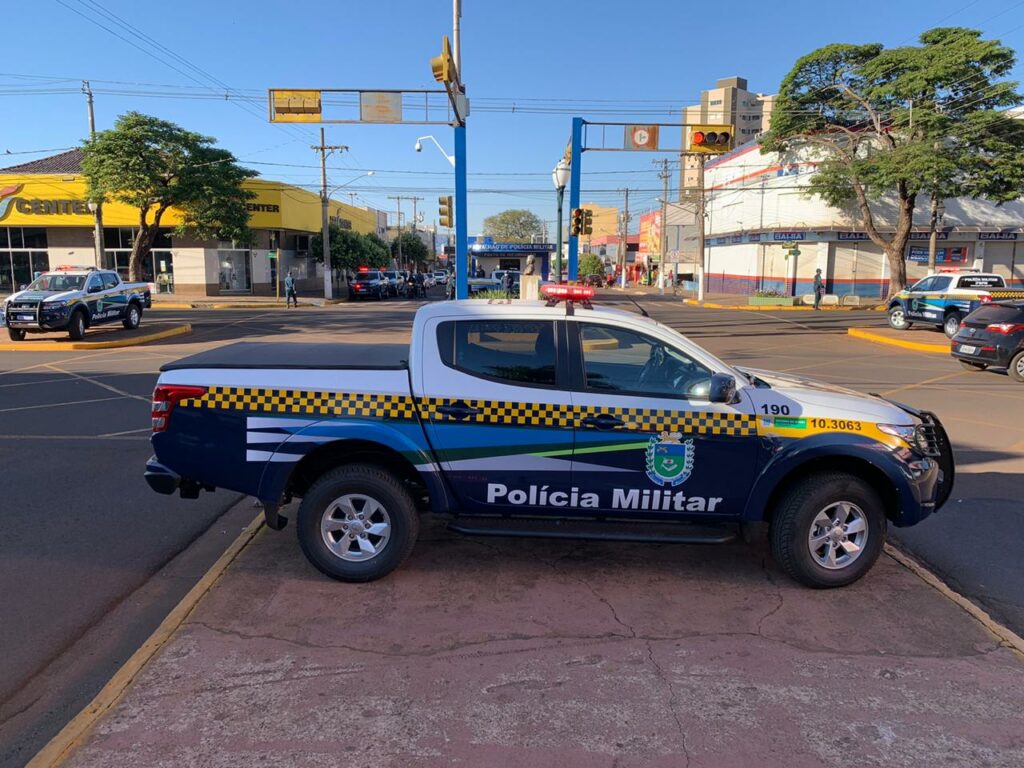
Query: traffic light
[443,66]
[445,212]
[588,221]
[710,139]
[576,226]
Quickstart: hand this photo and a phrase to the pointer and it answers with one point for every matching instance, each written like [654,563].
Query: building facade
[45,222]
[757,204]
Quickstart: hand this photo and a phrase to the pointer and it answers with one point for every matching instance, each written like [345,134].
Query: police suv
[534,419]
[72,299]
[944,299]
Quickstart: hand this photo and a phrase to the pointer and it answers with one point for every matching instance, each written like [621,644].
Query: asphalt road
[92,560]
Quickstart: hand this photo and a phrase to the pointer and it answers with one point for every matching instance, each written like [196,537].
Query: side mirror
[722,389]
[95,288]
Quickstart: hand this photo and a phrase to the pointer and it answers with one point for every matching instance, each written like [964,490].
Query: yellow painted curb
[162,305]
[769,308]
[59,748]
[63,346]
[935,349]
[1006,635]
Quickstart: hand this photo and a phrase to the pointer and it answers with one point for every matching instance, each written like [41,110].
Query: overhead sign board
[380,107]
[296,107]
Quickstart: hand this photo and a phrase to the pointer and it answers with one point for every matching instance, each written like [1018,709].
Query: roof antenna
[642,310]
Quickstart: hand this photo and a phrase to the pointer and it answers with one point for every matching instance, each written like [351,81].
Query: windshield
[366,277]
[391,275]
[57,282]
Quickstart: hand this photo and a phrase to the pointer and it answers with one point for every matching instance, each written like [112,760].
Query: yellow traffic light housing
[445,212]
[576,222]
[710,139]
[588,221]
[443,66]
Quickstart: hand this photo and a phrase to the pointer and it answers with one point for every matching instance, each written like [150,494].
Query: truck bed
[277,355]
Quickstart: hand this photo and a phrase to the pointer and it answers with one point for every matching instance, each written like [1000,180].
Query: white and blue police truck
[73,299]
[544,420]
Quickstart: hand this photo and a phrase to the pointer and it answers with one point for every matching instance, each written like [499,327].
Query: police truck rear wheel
[898,319]
[1016,367]
[828,529]
[16,334]
[357,523]
[952,324]
[133,317]
[76,328]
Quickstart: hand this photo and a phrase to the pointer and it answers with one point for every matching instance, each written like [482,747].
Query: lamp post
[97,232]
[559,177]
[419,148]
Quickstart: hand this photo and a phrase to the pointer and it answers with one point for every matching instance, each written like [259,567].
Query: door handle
[602,421]
[458,410]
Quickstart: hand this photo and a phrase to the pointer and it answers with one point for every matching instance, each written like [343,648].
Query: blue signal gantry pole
[574,193]
[461,217]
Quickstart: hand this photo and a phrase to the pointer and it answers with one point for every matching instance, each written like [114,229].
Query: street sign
[296,107]
[271,255]
[380,107]
[641,137]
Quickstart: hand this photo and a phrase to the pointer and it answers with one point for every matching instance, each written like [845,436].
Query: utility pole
[457,35]
[624,240]
[664,176]
[325,234]
[414,201]
[398,203]
[96,208]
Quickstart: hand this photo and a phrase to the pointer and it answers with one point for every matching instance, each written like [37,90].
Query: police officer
[290,295]
[819,288]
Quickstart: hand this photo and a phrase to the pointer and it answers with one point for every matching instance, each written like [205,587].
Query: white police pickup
[534,419]
[72,299]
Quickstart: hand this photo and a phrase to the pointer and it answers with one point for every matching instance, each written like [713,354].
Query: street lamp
[559,177]
[97,232]
[419,148]
[357,178]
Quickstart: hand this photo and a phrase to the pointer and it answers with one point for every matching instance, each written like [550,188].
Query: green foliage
[413,249]
[153,165]
[513,226]
[890,124]
[591,264]
[350,250]
[491,294]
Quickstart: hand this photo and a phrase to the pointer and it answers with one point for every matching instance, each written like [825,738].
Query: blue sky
[520,59]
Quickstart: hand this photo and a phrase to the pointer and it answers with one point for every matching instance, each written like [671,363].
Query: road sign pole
[461,214]
[574,192]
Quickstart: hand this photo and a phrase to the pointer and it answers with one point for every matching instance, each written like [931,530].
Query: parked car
[441,277]
[944,299]
[73,299]
[992,335]
[563,421]
[396,281]
[369,285]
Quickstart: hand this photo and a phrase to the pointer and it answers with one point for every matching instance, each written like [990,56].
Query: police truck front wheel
[132,317]
[828,529]
[16,334]
[952,324]
[76,327]
[898,318]
[357,523]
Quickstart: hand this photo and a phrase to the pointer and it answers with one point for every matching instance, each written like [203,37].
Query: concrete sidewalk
[530,653]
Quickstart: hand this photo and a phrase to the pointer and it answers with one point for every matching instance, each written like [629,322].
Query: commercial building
[45,222]
[728,103]
[756,204]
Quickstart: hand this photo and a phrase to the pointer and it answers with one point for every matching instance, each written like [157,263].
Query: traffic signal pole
[461,213]
[574,193]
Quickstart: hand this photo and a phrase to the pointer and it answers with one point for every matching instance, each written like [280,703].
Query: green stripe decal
[594,449]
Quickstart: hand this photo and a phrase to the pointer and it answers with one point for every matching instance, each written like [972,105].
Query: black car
[992,335]
[368,285]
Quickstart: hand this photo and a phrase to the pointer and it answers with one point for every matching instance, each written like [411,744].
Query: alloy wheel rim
[897,317]
[1020,366]
[952,326]
[838,535]
[355,527]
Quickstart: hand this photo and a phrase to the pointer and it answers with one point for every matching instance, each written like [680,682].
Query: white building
[756,204]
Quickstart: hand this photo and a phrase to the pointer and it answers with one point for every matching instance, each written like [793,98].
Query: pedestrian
[507,281]
[819,288]
[290,294]
[420,282]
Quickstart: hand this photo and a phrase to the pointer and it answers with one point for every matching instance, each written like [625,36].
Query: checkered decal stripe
[496,412]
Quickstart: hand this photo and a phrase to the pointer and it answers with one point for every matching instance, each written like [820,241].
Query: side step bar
[598,530]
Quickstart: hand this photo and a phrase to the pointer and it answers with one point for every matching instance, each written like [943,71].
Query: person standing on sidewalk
[819,288]
[290,294]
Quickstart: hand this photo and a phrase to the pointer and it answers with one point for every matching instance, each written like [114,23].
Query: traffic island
[512,652]
[101,338]
[919,340]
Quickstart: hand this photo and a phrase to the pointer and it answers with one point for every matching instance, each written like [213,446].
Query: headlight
[55,304]
[912,435]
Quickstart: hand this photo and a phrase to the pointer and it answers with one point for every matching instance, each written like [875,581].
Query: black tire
[898,318]
[16,334]
[76,326]
[968,365]
[132,316]
[793,522]
[369,482]
[951,325]
[1016,367]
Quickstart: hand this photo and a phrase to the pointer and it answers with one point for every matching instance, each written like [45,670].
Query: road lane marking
[944,377]
[57,405]
[127,432]
[100,384]
[91,438]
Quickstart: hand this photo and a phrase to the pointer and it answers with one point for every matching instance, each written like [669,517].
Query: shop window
[235,271]
[4,241]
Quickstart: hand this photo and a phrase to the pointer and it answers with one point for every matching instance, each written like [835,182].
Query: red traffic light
[698,137]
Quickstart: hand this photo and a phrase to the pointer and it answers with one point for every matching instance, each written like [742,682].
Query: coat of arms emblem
[669,459]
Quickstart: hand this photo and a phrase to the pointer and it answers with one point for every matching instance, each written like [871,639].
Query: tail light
[985,298]
[1005,328]
[166,397]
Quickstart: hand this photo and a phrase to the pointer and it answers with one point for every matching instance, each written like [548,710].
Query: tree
[413,250]
[890,124]
[513,226]
[591,264]
[153,165]
[350,250]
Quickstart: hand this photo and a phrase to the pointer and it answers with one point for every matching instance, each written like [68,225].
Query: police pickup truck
[534,419]
[72,299]
[945,299]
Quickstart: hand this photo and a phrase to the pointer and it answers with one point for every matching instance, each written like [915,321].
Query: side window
[940,284]
[110,280]
[514,351]
[619,360]
[95,281]
[925,284]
